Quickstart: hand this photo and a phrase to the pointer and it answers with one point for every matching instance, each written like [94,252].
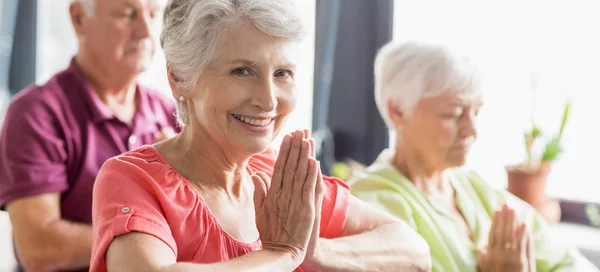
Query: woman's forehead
[254,46]
[458,98]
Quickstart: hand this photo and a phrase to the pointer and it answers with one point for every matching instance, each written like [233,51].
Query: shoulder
[39,99]
[140,168]
[378,176]
[385,194]
[41,107]
[386,189]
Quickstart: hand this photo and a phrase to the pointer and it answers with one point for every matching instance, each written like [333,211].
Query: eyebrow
[254,64]
[245,62]
[461,104]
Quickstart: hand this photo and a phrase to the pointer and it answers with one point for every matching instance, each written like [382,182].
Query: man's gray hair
[406,72]
[192,29]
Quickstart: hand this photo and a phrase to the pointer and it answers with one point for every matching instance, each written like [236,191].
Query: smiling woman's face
[244,96]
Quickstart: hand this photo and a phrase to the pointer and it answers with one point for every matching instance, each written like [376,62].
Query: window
[57,44]
[512,40]
[301,118]
[5,51]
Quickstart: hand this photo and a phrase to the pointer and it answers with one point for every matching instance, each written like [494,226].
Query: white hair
[192,29]
[88,5]
[406,72]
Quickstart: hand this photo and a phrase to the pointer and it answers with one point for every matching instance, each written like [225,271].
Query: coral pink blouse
[139,191]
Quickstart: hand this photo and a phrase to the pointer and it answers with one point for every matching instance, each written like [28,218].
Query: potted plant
[593,214]
[528,180]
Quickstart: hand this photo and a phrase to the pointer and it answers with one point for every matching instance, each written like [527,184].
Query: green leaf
[530,139]
[564,119]
[552,150]
[340,170]
[535,132]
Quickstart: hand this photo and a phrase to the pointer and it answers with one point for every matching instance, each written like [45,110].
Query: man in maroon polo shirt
[56,136]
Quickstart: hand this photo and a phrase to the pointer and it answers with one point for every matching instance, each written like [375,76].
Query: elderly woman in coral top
[216,197]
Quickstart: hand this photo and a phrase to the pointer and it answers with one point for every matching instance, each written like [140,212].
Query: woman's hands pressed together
[288,212]
[510,245]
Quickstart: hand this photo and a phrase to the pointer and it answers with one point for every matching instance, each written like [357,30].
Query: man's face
[118,35]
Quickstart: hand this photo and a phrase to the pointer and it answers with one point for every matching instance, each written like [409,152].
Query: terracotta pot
[528,183]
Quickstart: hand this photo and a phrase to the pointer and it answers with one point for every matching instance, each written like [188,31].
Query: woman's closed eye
[453,114]
[242,71]
[460,113]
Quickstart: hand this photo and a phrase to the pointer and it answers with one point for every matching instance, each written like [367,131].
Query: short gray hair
[88,5]
[406,72]
[192,30]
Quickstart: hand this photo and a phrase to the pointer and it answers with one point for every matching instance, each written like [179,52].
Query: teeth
[254,122]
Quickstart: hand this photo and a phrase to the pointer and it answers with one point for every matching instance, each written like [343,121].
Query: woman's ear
[174,82]
[395,114]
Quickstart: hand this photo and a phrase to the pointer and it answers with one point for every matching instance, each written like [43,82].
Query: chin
[142,66]
[256,146]
[457,161]
[138,64]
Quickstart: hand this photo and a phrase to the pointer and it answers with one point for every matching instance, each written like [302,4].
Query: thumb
[481,256]
[260,191]
[318,202]
[530,251]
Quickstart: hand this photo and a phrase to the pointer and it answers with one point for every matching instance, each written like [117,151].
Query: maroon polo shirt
[56,137]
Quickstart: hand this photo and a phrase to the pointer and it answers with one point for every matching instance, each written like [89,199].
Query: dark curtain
[17,44]
[348,35]
[8,17]
[22,64]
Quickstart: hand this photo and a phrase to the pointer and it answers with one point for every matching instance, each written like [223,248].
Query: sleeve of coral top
[336,199]
[126,199]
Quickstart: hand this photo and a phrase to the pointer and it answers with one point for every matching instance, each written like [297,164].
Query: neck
[206,165]
[422,173]
[111,87]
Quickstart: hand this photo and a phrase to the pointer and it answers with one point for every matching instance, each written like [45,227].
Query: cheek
[110,43]
[217,108]
[222,95]
[117,37]
[447,132]
[287,101]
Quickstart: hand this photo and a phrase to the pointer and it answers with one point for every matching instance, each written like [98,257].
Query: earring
[181,98]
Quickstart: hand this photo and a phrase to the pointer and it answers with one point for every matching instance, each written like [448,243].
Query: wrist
[315,259]
[288,254]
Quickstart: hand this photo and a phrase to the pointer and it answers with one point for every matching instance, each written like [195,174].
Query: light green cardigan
[386,188]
